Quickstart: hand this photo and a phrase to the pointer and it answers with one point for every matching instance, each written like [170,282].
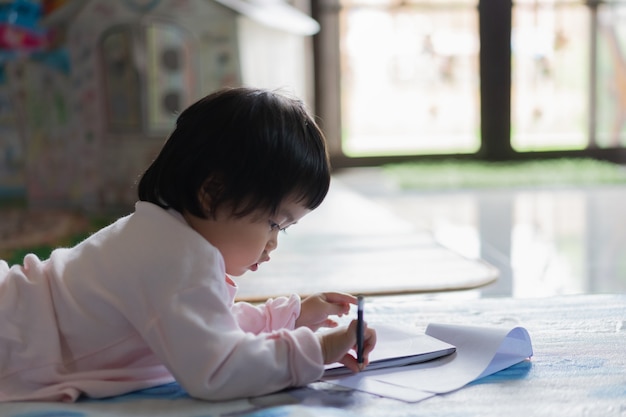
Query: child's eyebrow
[288,216]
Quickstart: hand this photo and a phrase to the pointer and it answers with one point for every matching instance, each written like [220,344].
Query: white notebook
[398,346]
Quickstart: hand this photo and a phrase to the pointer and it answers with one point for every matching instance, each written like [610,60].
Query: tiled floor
[544,241]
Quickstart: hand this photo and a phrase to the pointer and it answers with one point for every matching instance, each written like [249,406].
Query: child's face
[246,242]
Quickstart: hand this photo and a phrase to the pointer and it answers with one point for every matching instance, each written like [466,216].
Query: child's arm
[275,313]
[200,342]
[289,312]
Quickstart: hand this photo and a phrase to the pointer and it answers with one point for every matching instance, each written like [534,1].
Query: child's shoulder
[167,233]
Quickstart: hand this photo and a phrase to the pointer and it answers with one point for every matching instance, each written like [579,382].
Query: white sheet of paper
[480,351]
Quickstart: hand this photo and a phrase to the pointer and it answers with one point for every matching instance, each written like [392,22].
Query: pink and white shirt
[143,302]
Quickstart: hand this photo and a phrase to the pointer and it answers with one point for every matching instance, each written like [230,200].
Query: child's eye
[276,226]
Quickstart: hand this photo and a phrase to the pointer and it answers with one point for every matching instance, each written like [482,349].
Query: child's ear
[209,193]
[204,198]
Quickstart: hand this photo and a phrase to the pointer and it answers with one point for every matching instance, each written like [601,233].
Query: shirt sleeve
[276,313]
[212,358]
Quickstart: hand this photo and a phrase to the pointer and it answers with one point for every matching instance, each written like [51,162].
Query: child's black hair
[250,148]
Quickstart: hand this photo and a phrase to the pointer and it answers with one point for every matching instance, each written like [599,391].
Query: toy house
[81,118]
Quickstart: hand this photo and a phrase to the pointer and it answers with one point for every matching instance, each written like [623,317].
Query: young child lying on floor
[149,300]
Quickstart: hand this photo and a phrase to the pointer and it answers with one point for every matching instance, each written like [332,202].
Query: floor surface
[548,241]
[370,235]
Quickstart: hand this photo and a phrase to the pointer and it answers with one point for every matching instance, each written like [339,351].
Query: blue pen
[360,328]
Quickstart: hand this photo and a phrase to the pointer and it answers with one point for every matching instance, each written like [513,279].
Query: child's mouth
[256,265]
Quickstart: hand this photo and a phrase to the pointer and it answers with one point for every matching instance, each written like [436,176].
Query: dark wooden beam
[495,21]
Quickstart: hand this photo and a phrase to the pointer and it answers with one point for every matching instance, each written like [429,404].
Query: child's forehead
[288,212]
[292,210]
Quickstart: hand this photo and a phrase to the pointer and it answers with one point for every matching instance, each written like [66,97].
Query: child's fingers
[338,303]
[329,323]
[339,298]
[369,341]
[350,362]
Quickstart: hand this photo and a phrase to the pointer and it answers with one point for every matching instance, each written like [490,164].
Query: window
[495,79]
[409,77]
[169,76]
[148,64]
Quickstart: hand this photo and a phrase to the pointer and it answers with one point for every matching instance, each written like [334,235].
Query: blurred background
[495,127]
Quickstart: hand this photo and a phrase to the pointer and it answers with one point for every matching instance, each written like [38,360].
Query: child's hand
[336,344]
[315,309]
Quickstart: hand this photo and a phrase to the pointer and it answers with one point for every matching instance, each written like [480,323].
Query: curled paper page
[480,351]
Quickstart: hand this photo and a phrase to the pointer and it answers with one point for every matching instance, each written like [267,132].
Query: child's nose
[272,243]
